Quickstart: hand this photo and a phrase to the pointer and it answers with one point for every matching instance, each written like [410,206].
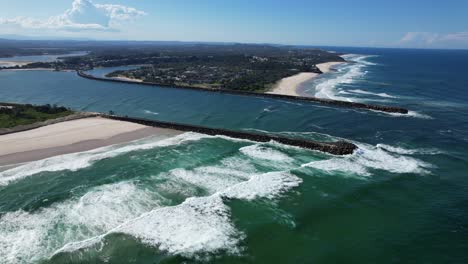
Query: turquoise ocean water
[402,198]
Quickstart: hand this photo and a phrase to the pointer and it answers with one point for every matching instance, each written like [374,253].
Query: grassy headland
[12,115]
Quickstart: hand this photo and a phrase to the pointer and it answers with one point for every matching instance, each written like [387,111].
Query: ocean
[192,198]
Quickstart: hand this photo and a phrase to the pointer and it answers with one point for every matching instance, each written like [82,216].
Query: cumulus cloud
[83,15]
[430,39]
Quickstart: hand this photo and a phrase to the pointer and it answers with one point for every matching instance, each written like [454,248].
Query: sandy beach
[13,63]
[69,137]
[289,85]
[123,78]
[327,67]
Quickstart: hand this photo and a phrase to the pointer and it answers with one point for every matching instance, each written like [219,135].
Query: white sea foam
[267,185]
[261,152]
[404,151]
[197,225]
[76,161]
[212,179]
[412,114]
[200,224]
[370,157]
[268,109]
[385,95]
[150,112]
[342,165]
[347,74]
[29,237]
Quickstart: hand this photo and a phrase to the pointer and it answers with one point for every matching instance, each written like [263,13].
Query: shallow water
[37,58]
[401,198]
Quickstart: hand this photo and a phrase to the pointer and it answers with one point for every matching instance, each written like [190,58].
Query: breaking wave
[262,152]
[368,158]
[197,227]
[404,151]
[199,224]
[347,74]
[385,95]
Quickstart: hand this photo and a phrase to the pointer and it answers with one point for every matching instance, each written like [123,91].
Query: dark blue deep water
[402,199]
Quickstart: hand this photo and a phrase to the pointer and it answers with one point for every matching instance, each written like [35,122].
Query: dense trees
[13,115]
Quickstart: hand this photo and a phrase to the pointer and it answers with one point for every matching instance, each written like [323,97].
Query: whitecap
[266,185]
[27,237]
[346,74]
[369,157]
[335,164]
[261,152]
[199,225]
[410,113]
[150,112]
[404,151]
[385,95]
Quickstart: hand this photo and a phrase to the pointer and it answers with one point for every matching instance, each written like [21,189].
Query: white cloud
[419,37]
[459,36]
[84,15]
[430,39]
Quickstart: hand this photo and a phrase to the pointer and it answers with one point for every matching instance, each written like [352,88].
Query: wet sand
[70,137]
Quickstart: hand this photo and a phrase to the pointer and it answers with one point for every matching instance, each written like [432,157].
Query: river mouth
[196,198]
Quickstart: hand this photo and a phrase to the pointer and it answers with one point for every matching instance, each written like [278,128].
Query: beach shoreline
[35,69]
[123,78]
[14,63]
[71,137]
[290,85]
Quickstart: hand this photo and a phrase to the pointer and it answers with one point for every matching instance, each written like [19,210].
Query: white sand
[69,137]
[123,78]
[13,63]
[326,67]
[289,85]
[64,133]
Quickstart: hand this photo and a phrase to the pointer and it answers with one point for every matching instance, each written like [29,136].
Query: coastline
[70,137]
[123,78]
[383,108]
[13,63]
[35,69]
[289,85]
[88,133]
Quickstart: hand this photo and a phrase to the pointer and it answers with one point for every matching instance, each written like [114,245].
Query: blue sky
[398,23]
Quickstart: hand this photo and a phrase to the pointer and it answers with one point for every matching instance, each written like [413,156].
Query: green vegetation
[14,115]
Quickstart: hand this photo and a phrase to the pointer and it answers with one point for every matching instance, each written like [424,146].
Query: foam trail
[200,224]
[403,151]
[267,185]
[385,95]
[150,112]
[410,113]
[370,157]
[261,152]
[196,227]
[27,237]
[346,75]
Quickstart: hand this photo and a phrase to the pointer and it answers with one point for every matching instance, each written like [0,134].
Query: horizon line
[26,38]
